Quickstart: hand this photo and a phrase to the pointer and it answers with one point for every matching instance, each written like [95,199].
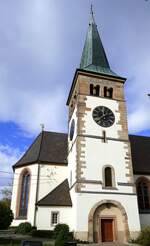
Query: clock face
[103,116]
[72,127]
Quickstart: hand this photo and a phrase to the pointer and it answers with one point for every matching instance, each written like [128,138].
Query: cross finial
[92,8]
[42,127]
[91,15]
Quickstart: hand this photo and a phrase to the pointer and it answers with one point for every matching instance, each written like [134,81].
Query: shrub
[61,227]
[62,238]
[61,234]
[42,233]
[144,237]
[6,216]
[24,228]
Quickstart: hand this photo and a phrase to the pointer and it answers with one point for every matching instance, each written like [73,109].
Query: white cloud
[8,157]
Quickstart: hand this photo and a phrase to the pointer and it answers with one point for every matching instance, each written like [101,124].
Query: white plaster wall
[50,177]
[91,127]
[85,202]
[74,200]
[72,165]
[32,195]
[99,188]
[72,150]
[99,154]
[44,217]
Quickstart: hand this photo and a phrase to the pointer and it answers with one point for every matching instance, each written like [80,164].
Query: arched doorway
[108,222]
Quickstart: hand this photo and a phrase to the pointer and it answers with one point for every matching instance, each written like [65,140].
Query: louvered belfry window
[24,194]
[108,177]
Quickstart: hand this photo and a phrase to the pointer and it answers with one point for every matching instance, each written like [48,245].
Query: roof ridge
[55,132]
[40,146]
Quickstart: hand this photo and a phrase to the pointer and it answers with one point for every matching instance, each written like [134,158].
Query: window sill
[21,218]
[53,225]
[109,188]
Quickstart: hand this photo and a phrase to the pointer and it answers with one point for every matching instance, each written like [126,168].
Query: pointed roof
[60,196]
[45,149]
[94,57]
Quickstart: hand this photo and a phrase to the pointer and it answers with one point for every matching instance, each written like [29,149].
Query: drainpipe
[36,198]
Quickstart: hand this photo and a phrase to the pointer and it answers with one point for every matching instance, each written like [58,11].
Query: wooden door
[107,230]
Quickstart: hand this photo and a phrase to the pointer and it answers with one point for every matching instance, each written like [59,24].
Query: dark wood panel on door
[107,230]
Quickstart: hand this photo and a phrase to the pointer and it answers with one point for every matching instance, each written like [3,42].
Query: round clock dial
[103,116]
[72,127]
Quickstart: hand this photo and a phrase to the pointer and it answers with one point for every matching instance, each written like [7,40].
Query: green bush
[62,238]
[61,234]
[144,237]
[6,216]
[24,228]
[42,233]
[61,227]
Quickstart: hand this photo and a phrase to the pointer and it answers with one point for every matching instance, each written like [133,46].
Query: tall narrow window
[91,89]
[94,90]
[108,92]
[24,197]
[108,177]
[143,195]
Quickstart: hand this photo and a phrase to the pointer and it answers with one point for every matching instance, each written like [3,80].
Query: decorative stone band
[125,184]
[113,99]
[107,192]
[99,192]
[98,137]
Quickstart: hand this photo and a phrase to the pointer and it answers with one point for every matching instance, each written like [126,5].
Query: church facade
[96,178]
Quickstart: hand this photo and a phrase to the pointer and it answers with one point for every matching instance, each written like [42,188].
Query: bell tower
[99,156]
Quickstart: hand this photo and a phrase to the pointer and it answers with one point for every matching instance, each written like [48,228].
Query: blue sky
[41,43]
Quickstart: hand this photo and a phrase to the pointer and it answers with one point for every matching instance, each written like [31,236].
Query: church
[96,177]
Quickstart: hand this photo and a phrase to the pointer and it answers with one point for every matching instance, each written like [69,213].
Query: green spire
[93,57]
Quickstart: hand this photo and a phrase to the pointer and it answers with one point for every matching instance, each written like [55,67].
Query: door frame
[114,227]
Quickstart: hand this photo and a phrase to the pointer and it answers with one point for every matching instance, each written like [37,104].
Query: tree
[6,215]
[6,195]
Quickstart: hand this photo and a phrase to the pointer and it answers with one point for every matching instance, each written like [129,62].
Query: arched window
[108,177]
[143,194]
[24,194]
[94,90]
[108,92]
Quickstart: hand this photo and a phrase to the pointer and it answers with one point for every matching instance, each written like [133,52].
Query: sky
[41,43]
